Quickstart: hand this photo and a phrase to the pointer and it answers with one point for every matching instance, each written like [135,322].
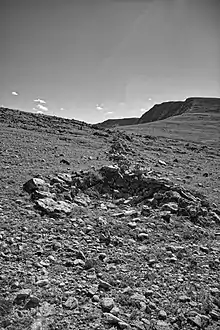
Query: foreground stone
[35,184]
[48,205]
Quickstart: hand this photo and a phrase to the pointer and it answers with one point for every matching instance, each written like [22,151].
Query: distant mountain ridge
[168,109]
[118,122]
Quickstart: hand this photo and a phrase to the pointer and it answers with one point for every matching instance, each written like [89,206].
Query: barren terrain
[108,229]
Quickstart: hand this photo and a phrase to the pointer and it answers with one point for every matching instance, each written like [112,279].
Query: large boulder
[48,205]
[35,184]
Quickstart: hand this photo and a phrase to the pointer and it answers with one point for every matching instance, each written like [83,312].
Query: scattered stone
[131,213]
[107,304]
[132,224]
[123,325]
[104,285]
[64,161]
[162,325]
[5,307]
[196,321]
[161,162]
[148,293]
[52,258]
[184,298]
[146,210]
[162,315]
[37,324]
[71,303]
[35,184]
[102,256]
[137,297]
[81,201]
[32,302]
[215,292]
[204,249]
[48,205]
[42,282]
[22,295]
[214,315]
[172,207]
[111,319]
[115,310]
[93,290]
[143,236]
[215,216]
[79,262]
[95,298]
[166,215]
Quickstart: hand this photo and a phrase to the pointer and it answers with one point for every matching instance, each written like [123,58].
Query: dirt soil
[101,229]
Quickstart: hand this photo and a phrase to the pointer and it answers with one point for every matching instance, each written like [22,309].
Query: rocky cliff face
[169,109]
[201,105]
[162,111]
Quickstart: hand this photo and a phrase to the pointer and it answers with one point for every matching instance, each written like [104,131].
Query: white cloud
[40,101]
[109,113]
[143,110]
[40,112]
[42,107]
[99,107]
[15,93]
[61,109]
[150,99]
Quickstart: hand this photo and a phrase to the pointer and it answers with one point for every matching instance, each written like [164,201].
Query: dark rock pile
[123,183]
[134,186]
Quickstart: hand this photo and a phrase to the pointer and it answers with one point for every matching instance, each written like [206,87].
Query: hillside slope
[39,122]
[200,128]
[105,230]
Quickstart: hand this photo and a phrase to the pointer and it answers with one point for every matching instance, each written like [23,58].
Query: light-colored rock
[162,315]
[48,205]
[35,184]
[22,295]
[104,285]
[66,177]
[184,298]
[71,303]
[42,282]
[107,304]
[162,325]
[172,207]
[111,319]
[214,315]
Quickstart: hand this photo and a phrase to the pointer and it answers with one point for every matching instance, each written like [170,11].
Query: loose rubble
[118,247]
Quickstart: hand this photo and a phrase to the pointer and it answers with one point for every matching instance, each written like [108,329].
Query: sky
[93,60]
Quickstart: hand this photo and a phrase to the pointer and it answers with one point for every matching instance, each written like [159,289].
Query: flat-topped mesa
[201,105]
[175,108]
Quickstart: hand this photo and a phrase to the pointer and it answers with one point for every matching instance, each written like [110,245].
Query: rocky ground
[107,230]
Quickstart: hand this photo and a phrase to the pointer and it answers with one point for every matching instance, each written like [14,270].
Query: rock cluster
[132,186]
